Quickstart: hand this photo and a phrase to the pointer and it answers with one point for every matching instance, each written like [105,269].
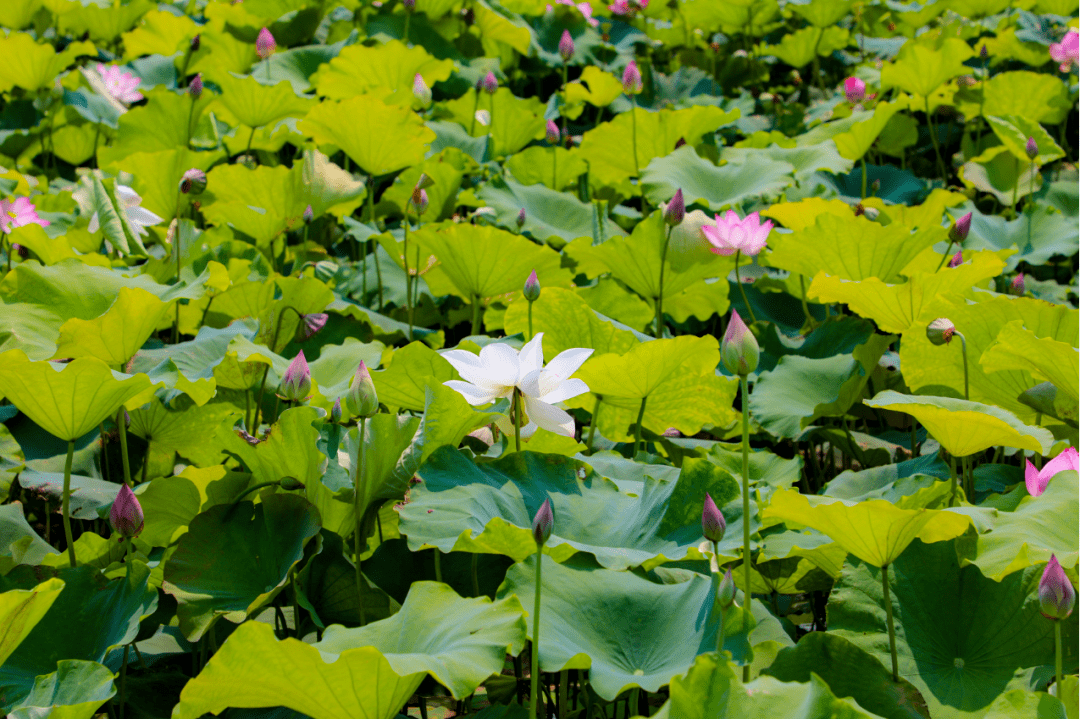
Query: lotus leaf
[74,691]
[22,609]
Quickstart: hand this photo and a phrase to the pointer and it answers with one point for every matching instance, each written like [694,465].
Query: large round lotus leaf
[234,558]
[74,691]
[711,690]
[255,104]
[35,65]
[90,617]
[547,213]
[1020,704]
[920,70]
[715,187]
[960,637]
[66,400]
[876,531]
[88,495]
[1040,526]
[393,65]
[462,506]
[998,172]
[964,427]
[1045,358]
[21,610]
[567,322]
[647,365]
[1039,97]
[19,543]
[850,672]
[410,371]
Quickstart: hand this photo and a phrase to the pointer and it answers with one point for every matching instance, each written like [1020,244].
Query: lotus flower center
[737,236]
[958,663]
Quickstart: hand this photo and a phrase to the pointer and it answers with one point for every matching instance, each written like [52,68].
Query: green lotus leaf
[711,690]
[920,70]
[567,322]
[380,138]
[445,168]
[1017,703]
[160,124]
[960,637]
[852,248]
[764,467]
[823,13]
[97,200]
[102,24]
[799,48]
[70,400]
[221,54]
[34,66]
[254,104]
[1038,527]
[752,15]
[850,672]
[1038,97]
[74,691]
[46,250]
[115,336]
[19,543]
[17,14]
[22,609]
[554,167]
[605,146]
[855,143]
[170,503]
[1014,131]
[647,365]
[1002,174]
[159,33]
[806,159]
[409,372]
[609,298]
[894,308]
[74,144]
[964,427]
[876,531]
[594,86]
[358,69]
[12,460]
[787,399]
[483,261]
[89,496]
[236,557]
[514,121]
[788,575]
[703,182]
[489,509]
[191,366]
[1044,358]
[928,366]
[106,612]
[184,430]
[548,214]
[158,174]
[498,33]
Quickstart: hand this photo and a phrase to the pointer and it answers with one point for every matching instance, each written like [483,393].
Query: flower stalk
[66,504]
[889,621]
[541,529]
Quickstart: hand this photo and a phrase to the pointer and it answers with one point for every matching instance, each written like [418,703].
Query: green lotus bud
[290,484]
[726,593]
[739,350]
[542,523]
[361,399]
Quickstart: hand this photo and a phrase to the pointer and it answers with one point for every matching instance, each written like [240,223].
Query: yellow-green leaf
[21,610]
[117,335]
[919,69]
[1017,348]
[359,69]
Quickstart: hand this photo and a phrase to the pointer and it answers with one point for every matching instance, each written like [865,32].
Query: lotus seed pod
[959,231]
[1056,594]
[739,351]
[940,331]
[631,79]
[726,593]
[265,44]
[193,182]
[296,383]
[675,210]
[335,411]
[309,215]
[1031,148]
[361,399]
[490,84]
[420,90]
[310,325]
[542,524]
[196,87]
[126,515]
[291,484]
[957,259]
[532,287]
[566,46]
[520,221]
[713,525]
[552,133]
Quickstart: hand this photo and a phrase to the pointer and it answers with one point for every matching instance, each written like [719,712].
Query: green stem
[295,602]
[475,315]
[250,138]
[805,307]
[405,35]
[1031,197]
[633,142]
[889,621]
[660,296]
[934,140]
[359,471]
[123,681]
[405,260]
[742,291]
[1058,675]
[963,354]
[637,429]
[534,668]
[716,579]
[438,565]
[945,257]
[530,322]
[914,436]
[491,129]
[969,479]
[475,576]
[375,251]
[952,481]
[592,424]
[744,388]
[862,161]
[564,100]
[121,427]
[564,685]
[307,229]
[176,248]
[66,503]
[515,410]
[1016,187]
[476,109]
[554,168]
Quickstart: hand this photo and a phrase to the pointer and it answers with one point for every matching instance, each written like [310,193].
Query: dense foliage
[708,358]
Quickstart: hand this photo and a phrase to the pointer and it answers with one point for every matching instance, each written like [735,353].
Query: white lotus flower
[130,201]
[499,369]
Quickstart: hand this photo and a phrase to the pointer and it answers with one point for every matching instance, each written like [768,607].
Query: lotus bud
[854,90]
[875,187]
[419,200]
[566,46]
[542,524]
[290,484]
[983,54]
[196,87]
[520,221]
[1016,287]
[739,350]
[490,84]
[296,383]
[940,331]
[265,44]
[726,593]
[410,5]
[193,182]
[532,287]
[361,399]
[631,79]
[713,525]
[335,411]
[126,515]
[1056,594]
[552,134]
[1031,148]
[676,209]
[309,215]
[959,231]
[420,90]
[196,42]
[310,325]
[957,259]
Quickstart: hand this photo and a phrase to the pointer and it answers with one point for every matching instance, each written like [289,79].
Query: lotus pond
[695,359]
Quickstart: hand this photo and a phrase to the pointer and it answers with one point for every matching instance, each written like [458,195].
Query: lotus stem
[534,666]
[1058,675]
[640,417]
[969,478]
[295,601]
[805,307]
[716,579]
[476,109]
[742,290]
[633,141]
[963,354]
[934,140]
[564,683]
[123,681]
[475,315]
[438,564]
[862,161]
[405,35]
[66,504]
[359,471]
[564,75]
[1030,201]
[744,387]
[475,577]
[660,297]
[121,427]
[889,621]
[554,166]
[375,251]
[946,256]
[405,260]
[515,411]
[952,480]
[592,423]
[530,322]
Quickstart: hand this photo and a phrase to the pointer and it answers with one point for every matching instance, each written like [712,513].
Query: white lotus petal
[550,418]
[142,217]
[473,395]
[564,391]
[468,365]
[500,364]
[531,357]
[127,196]
[95,224]
[567,362]
[530,383]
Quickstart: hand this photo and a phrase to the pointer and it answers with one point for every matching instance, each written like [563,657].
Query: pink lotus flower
[19,212]
[1036,479]
[730,234]
[121,85]
[631,79]
[739,350]
[552,133]
[1056,594]
[1067,52]
[265,44]
[854,89]
[566,45]
[296,383]
[628,7]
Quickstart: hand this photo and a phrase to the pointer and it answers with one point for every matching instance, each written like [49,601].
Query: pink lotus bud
[739,351]
[982,52]
[552,135]
[1056,594]
[959,231]
[490,84]
[854,89]
[542,524]
[265,44]
[566,46]
[520,221]
[957,259]
[940,331]
[532,287]
[126,515]
[335,411]
[420,90]
[309,215]
[193,182]
[631,79]
[726,593]
[713,525]
[361,399]
[1031,148]
[296,384]
[676,209]
[196,87]
[310,325]
[419,200]
[1016,287]
[410,5]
